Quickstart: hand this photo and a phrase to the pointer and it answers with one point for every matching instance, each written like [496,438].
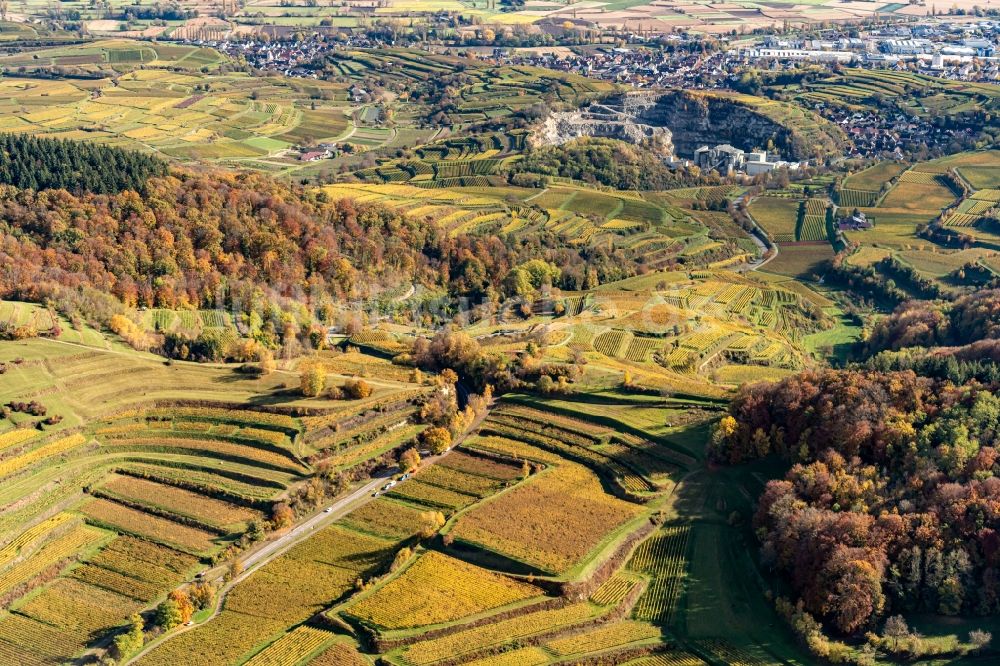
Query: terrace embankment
[682,121]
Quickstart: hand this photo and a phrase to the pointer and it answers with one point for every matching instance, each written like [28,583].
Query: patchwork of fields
[141,489]
[165,112]
[670,326]
[459,592]
[168,485]
[186,103]
[629,610]
[484,93]
[275,17]
[572,520]
[189,104]
[956,194]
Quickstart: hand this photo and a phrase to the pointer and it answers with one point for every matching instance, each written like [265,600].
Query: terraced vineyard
[612,343]
[470,641]
[171,484]
[165,110]
[812,221]
[603,638]
[460,162]
[671,658]
[180,481]
[437,589]
[663,557]
[613,591]
[631,467]
[850,87]
[293,647]
[283,593]
[696,324]
[330,489]
[457,600]
[120,579]
[57,548]
[485,94]
[144,491]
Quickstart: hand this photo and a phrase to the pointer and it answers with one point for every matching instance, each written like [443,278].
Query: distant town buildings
[801,54]
[946,48]
[943,47]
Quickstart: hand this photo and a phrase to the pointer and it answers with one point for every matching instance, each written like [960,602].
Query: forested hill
[194,239]
[892,501]
[959,340]
[606,161]
[31,163]
[970,319]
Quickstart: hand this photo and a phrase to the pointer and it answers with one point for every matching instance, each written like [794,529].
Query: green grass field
[981,177]
[873,178]
[777,216]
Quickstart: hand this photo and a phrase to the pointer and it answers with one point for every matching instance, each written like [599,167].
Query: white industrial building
[800,54]
[726,159]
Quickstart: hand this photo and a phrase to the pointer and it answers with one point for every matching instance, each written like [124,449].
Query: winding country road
[759,263]
[272,549]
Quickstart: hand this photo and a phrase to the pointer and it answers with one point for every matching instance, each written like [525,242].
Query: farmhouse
[313,155]
[856,222]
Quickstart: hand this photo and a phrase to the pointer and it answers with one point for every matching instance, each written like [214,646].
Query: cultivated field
[170,484]
[955,193]
[437,589]
[165,109]
[572,519]
[136,489]
[285,18]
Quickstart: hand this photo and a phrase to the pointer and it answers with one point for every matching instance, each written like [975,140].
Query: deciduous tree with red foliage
[893,499]
[246,241]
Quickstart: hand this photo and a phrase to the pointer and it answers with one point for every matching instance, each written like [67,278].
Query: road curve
[274,548]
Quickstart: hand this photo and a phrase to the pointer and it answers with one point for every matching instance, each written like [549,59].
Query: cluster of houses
[641,68]
[291,57]
[878,133]
[948,48]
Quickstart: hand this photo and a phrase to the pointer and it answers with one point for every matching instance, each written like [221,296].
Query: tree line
[254,245]
[892,503]
[32,163]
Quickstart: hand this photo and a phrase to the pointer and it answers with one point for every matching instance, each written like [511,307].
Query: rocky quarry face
[676,120]
[616,119]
